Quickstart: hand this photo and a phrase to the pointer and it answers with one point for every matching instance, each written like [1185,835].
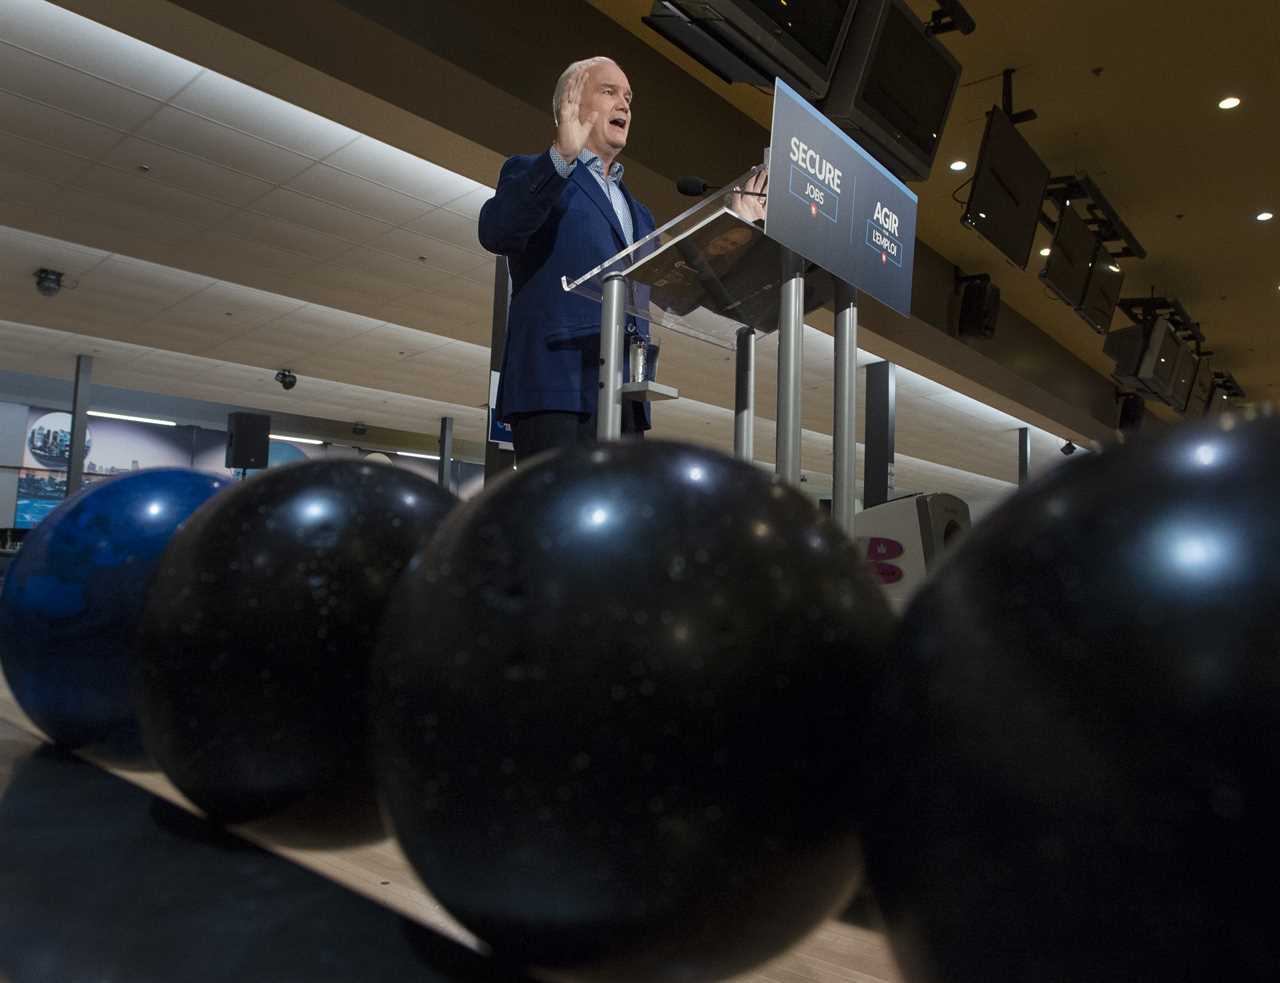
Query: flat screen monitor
[1071,253]
[1007,190]
[1102,292]
[1219,401]
[1202,388]
[746,40]
[892,87]
[1185,368]
[1160,359]
[814,28]
[1126,346]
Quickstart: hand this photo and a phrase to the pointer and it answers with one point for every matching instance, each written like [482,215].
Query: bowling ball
[73,599]
[1076,757]
[617,707]
[254,651]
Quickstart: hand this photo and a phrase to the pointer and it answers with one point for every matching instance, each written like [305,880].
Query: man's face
[607,92]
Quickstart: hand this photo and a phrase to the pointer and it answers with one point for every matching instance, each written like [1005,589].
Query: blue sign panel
[499,432]
[836,205]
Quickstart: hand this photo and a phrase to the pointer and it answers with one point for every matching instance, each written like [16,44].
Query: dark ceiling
[1127,92]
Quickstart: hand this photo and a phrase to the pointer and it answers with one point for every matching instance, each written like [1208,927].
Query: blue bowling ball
[74,596]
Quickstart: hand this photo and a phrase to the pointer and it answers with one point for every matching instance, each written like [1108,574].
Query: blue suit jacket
[548,227]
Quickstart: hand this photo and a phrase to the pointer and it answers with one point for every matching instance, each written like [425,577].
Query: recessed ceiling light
[982,214]
[1045,251]
[1265,216]
[959,165]
[1229,103]
[1113,268]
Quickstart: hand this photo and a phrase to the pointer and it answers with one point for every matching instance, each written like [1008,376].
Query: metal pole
[79,422]
[496,460]
[790,367]
[877,482]
[612,315]
[744,395]
[844,438]
[1024,455]
[446,453]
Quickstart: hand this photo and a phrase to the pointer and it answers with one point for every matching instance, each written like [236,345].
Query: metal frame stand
[445,469]
[612,317]
[744,395]
[79,422]
[790,367]
[877,482]
[844,437]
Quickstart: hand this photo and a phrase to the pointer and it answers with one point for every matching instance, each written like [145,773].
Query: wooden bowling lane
[836,952]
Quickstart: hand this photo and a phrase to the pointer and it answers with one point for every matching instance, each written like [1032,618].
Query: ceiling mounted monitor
[756,41]
[1007,190]
[1160,359]
[1071,253]
[892,87]
[1185,369]
[1202,388]
[1102,292]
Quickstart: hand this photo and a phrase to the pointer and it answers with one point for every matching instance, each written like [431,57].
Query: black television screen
[909,88]
[754,40]
[1071,254]
[1007,190]
[1160,358]
[1202,388]
[1102,292]
[892,87]
[816,26]
[1185,368]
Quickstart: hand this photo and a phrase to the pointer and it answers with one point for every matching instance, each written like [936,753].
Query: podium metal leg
[844,435]
[612,318]
[790,366]
[744,396]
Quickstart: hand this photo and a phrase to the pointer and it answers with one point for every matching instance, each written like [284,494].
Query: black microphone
[694,187]
[691,186]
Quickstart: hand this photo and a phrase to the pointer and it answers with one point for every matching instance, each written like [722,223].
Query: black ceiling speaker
[979,307]
[1132,410]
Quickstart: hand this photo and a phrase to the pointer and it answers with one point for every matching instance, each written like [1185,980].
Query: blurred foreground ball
[1078,760]
[617,714]
[73,599]
[257,637]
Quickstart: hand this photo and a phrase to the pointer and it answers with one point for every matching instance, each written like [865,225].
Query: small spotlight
[1265,216]
[1229,103]
[1068,448]
[959,165]
[286,379]
[1045,251]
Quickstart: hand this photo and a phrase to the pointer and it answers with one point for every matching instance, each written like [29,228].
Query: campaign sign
[836,205]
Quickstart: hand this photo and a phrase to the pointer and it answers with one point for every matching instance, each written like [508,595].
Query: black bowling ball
[617,708]
[252,673]
[1077,761]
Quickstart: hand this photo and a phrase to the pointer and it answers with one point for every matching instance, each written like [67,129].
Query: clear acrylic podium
[716,277]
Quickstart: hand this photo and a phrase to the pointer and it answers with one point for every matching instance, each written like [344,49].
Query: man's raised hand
[572,131]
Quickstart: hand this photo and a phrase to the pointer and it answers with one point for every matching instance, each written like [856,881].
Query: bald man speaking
[561,213]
